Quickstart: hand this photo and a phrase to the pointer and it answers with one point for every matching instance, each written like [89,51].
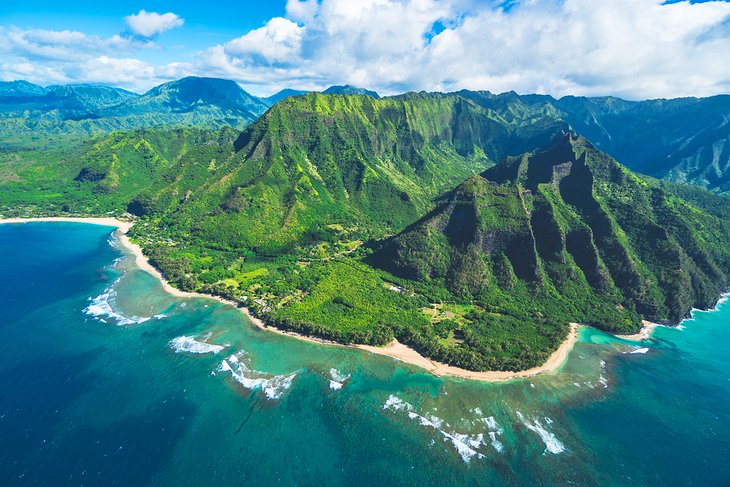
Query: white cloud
[56,57]
[279,41]
[62,45]
[630,48]
[117,71]
[150,24]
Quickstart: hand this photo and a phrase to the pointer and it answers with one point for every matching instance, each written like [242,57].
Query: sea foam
[466,445]
[273,387]
[190,345]
[640,350]
[494,430]
[552,444]
[338,379]
[101,307]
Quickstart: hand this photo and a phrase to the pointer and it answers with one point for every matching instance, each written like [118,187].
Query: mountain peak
[285,93]
[20,88]
[349,90]
[195,93]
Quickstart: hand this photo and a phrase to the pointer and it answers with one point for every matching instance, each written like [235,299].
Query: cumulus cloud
[55,57]
[150,24]
[279,41]
[62,45]
[630,48]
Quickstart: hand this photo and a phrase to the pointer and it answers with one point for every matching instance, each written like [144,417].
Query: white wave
[552,444]
[477,411]
[191,345]
[494,430]
[491,424]
[338,379]
[496,444]
[640,350]
[396,404]
[603,381]
[466,445]
[273,387]
[101,307]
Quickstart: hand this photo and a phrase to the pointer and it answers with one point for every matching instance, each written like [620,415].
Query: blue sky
[629,48]
[203,25]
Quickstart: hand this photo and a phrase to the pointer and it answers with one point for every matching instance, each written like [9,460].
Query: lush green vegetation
[314,218]
[33,117]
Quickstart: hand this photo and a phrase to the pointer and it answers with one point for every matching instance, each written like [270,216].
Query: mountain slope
[277,97]
[288,216]
[576,227]
[349,90]
[104,174]
[20,88]
[684,140]
[194,94]
[319,160]
[74,112]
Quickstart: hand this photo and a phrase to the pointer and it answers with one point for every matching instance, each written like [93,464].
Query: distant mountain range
[683,140]
[216,99]
[30,113]
[349,90]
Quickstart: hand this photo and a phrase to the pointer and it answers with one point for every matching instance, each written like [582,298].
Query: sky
[635,49]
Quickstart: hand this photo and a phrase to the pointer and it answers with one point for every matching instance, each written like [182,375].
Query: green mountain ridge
[569,215]
[361,220]
[349,90]
[684,140]
[318,160]
[74,112]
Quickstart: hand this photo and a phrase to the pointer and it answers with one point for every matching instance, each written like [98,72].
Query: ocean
[108,380]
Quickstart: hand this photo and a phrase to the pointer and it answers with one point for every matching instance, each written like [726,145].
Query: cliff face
[570,214]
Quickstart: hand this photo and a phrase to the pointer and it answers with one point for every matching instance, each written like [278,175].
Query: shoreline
[404,353]
[644,334]
[394,349]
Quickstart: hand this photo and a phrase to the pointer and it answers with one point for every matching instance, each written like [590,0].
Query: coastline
[104,221]
[404,353]
[394,349]
[645,333]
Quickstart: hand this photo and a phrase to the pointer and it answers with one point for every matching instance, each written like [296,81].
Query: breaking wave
[338,379]
[101,308]
[466,445]
[190,345]
[552,444]
[640,350]
[273,387]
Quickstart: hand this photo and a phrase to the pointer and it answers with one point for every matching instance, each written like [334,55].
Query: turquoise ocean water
[100,384]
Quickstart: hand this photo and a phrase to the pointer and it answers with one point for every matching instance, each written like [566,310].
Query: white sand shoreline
[644,334]
[394,349]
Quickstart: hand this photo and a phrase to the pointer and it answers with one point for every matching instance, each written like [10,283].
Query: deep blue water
[97,391]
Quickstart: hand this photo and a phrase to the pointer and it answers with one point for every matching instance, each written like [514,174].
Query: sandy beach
[647,329]
[107,222]
[402,352]
[395,349]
